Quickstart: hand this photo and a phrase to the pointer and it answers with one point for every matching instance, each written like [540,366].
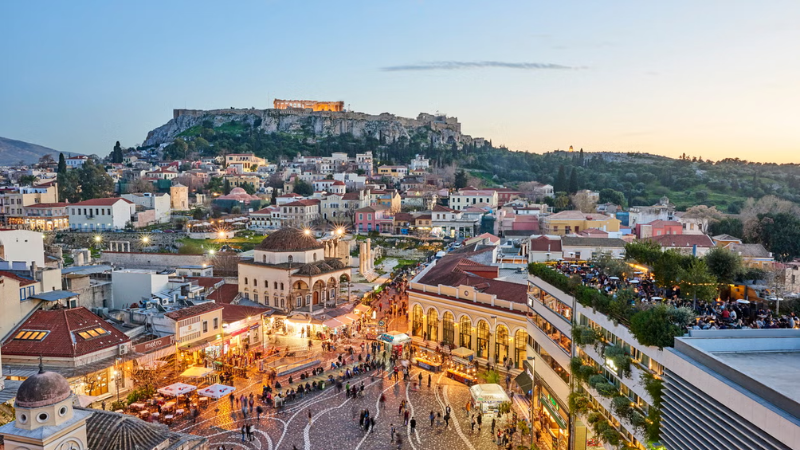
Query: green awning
[553,413]
[524,381]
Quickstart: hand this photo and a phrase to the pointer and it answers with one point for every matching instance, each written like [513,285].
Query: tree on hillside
[226,186]
[139,185]
[215,185]
[768,204]
[612,196]
[724,264]
[461,180]
[62,164]
[780,234]
[704,215]
[27,180]
[45,160]
[116,153]
[729,226]
[303,188]
[573,181]
[584,202]
[561,185]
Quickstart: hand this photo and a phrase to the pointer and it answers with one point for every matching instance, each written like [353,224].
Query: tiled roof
[545,244]
[572,241]
[302,203]
[682,240]
[192,311]
[457,269]
[63,339]
[102,202]
[48,205]
[224,294]
[350,196]
[725,237]
[235,313]
[664,223]
[22,280]
[440,208]
[206,282]
[749,250]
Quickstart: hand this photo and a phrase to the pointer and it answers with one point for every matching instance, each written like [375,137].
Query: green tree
[560,184]
[249,188]
[69,186]
[573,181]
[94,181]
[611,196]
[62,164]
[698,282]
[659,325]
[645,252]
[215,185]
[303,188]
[27,180]
[729,226]
[724,264]
[116,154]
[461,180]
[226,186]
[780,234]
[668,268]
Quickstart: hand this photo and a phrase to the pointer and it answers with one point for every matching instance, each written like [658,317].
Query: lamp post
[532,362]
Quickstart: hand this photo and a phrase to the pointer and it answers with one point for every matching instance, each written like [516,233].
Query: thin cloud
[469,65]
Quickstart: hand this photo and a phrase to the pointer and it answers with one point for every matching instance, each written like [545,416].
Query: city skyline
[706,80]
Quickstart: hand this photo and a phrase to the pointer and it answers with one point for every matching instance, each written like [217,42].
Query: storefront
[551,415]
[396,343]
[488,397]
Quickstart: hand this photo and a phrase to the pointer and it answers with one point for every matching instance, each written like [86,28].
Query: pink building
[374,218]
[658,228]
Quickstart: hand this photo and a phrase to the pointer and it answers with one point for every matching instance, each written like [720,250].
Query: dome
[42,389]
[335,263]
[324,267]
[289,240]
[309,269]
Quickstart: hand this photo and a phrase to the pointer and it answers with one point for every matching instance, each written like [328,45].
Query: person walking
[429,380]
[413,424]
[382,401]
[309,416]
[250,435]
[446,420]
[405,417]
[391,431]
[493,424]
[244,432]
[432,417]
[371,424]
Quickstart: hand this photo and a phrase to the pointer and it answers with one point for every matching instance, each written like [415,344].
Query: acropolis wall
[308,104]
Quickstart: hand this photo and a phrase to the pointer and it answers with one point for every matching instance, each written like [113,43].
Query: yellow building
[198,331]
[239,180]
[569,222]
[396,172]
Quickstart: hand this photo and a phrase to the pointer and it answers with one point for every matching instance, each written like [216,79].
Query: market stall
[488,397]
[460,367]
[427,360]
[395,342]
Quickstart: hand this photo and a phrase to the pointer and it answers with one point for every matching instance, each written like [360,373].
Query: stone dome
[42,389]
[289,240]
[335,264]
[309,269]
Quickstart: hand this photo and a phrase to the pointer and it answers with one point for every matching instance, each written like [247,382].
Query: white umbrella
[742,301]
[634,281]
[613,278]
[216,391]
[176,389]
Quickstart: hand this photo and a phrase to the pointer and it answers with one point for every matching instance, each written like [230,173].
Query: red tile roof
[225,293]
[682,240]
[545,244]
[350,196]
[63,339]
[48,205]
[457,269]
[235,313]
[440,208]
[22,281]
[192,311]
[302,203]
[102,202]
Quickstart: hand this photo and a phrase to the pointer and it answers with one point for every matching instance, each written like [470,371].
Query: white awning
[176,389]
[332,323]
[216,391]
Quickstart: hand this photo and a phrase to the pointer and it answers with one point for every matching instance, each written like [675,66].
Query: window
[93,333]
[31,335]
[205,326]
[216,322]
[266,283]
[465,329]
[245,281]
[276,286]
[448,329]
[281,286]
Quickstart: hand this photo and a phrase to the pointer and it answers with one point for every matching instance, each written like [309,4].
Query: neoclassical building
[292,270]
[459,302]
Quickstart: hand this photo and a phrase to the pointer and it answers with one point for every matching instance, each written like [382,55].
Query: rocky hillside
[388,128]
[13,151]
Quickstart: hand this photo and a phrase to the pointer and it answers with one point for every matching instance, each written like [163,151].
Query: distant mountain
[13,151]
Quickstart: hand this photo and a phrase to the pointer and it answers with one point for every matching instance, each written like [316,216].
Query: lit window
[31,335]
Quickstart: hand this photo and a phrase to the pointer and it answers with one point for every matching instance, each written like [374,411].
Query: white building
[351,180]
[420,163]
[18,246]
[74,162]
[101,214]
[160,203]
[266,218]
[133,286]
[466,198]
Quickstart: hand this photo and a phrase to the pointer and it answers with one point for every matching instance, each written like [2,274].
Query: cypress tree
[62,164]
[561,180]
[573,181]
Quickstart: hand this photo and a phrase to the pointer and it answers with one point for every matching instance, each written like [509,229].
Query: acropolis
[309,104]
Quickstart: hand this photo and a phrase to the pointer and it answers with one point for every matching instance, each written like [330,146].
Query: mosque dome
[42,389]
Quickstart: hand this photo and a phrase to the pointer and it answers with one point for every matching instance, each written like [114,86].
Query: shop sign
[386,338]
[155,344]
[189,329]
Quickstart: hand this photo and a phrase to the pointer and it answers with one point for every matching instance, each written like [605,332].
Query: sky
[715,79]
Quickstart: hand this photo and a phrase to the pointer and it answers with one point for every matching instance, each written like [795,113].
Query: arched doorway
[501,345]
[520,340]
[448,329]
[482,349]
[433,325]
[465,330]
[416,321]
[316,297]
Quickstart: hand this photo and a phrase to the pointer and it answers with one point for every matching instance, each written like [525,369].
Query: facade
[101,214]
[420,163]
[291,270]
[396,173]
[457,301]
[450,223]
[569,222]
[14,201]
[389,198]
[658,228]
[22,246]
[74,162]
[373,218]
[588,248]
[693,244]
[196,326]
[300,213]
[131,286]
[179,197]
[466,198]
[244,161]
[543,248]
[753,255]
[47,217]
[264,219]
[161,204]
[662,210]
[718,395]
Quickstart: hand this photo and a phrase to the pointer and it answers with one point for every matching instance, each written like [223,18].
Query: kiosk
[488,397]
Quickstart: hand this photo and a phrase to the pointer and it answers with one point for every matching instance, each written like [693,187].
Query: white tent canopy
[176,389]
[216,391]
[491,394]
[196,372]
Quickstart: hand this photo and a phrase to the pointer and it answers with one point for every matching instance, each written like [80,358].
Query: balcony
[559,353]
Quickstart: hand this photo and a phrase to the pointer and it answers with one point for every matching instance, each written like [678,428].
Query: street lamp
[145,239]
[97,238]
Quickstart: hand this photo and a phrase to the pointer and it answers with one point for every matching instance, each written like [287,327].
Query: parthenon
[309,104]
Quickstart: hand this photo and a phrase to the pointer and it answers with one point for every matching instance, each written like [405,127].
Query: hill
[641,178]
[13,151]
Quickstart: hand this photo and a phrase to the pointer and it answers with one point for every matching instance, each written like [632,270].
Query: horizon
[706,80]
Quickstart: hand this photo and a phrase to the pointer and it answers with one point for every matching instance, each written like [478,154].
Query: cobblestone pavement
[334,422]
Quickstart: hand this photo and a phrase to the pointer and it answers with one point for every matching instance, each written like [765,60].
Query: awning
[196,372]
[53,296]
[83,400]
[332,323]
[344,320]
[553,413]
[151,357]
[524,381]
[196,345]
[361,308]
[176,389]
[216,391]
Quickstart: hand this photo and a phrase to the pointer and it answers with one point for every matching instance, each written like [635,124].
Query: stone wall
[154,261]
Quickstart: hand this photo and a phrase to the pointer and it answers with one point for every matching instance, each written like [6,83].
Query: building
[300,213]
[58,425]
[658,228]
[237,197]
[374,218]
[198,332]
[692,244]
[244,162]
[396,173]
[179,197]
[505,195]
[389,198]
[14,201]
[732,389]
[569,222]
[753,255]
[450,223]
[129,286]
[163,173]
[543,248]
[313,105]
[46,217]
[291,270]
[419,162]
[161,204]
[23,247]
[466,198]
[663,210]
[265,219]
[589,248]
[75,162]
[458,301]
[101,214]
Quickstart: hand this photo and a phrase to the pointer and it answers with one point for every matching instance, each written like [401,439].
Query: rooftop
[289,240]
[192,311]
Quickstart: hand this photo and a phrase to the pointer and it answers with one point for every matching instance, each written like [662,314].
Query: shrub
[620,359]
[594,380]
[606,389]
[586,371]
[579,403]
[621,405]
[594,417]
[583,335]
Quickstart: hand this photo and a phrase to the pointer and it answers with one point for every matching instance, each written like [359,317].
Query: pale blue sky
[711,78]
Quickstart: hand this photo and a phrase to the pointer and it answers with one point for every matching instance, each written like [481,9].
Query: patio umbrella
[176,389]
[216,391]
